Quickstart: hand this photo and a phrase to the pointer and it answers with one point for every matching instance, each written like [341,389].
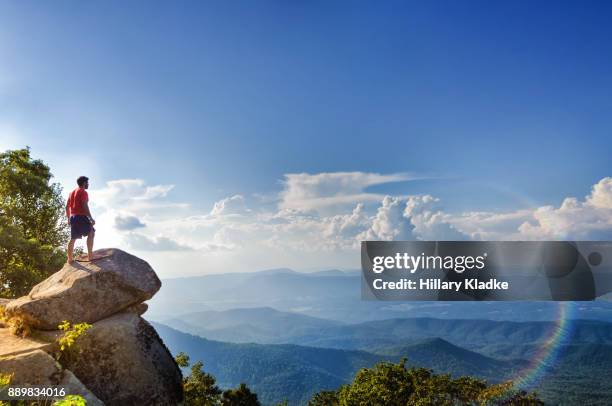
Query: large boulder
[87,291]
[124,362]
[39,369]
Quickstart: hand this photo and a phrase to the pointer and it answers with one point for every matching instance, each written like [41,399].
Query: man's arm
[68,209]
[87,212]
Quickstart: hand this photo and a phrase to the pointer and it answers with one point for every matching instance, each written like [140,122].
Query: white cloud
[601,195]
[154,192]
[127,223]
[344,229]
[490,226]
[428,222]
[132,194]
[389,223]
[124,205]
[305,192]
[235,234]
[230,206]
[141,242]
[575,219]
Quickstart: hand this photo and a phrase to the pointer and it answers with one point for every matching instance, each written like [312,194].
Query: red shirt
[76,201]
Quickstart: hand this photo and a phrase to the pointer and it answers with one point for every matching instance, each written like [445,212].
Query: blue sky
[488,107]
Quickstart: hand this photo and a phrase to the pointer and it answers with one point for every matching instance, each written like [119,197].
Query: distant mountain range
[274,372]
[294,373]
[270,326]
[335,295]
[252,325]
[290,372]
[289,334]
[483,335]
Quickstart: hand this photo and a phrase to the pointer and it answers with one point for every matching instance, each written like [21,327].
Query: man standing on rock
[79,218]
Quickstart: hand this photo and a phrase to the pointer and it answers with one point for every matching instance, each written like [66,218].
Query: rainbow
[546,356]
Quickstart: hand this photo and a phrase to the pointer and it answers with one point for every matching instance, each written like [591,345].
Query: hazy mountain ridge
[314,333]
[293,372]
[275,372]
[285,371]
[259,324]
[270,326]
[335,295]
[471,334]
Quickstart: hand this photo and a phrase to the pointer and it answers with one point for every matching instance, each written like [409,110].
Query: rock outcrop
[120,341]
[120,360]
[87,291]
[39,368]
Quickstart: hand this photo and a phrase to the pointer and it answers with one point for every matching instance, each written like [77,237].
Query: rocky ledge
[120,360]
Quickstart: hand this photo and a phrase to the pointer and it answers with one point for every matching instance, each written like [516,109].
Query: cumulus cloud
[482,225]
[389,223]
[575,219]
[428,222]
[230,206]
[418,217]
[141,242]
[301,229]
[132,194]
[124,205]
[154,192]
[601,195]
[343,227]
[304,191]
[128,223]
[410,218]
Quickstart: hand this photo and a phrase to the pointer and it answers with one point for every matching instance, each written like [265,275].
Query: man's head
[83,181]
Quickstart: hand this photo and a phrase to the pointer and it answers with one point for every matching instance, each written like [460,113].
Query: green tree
[182,360]
[324,398]
[394,384]
[200,388]
[32,223]
[240,396]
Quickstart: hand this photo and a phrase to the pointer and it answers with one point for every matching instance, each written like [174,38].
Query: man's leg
[70,251]
[90,237]
[90,242]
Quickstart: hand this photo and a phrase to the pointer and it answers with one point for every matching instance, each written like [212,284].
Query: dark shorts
[80,227]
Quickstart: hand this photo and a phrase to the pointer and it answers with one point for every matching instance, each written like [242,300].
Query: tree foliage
[72,332]
[182,360]
[324,398]
[389,384]
[200,388]
[32,223]
[71,400]
[240,396]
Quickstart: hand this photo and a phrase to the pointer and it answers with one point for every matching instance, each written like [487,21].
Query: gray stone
[124,362]
[138,309]
[13,345]
[40,369]
[88,291]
